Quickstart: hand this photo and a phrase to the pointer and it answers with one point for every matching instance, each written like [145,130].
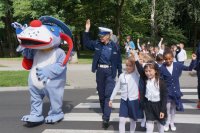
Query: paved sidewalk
[79,76]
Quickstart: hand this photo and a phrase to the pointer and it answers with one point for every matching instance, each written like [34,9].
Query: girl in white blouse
[153,96]
[129,106]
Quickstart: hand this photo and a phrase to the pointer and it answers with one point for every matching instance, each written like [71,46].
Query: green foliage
[135,19]
[174,35]
[27,10]
[165,14]
[2,13]
[173,19]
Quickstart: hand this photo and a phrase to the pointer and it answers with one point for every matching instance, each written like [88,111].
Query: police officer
[106,62]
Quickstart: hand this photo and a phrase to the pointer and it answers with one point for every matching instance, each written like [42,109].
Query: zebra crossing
[88,113]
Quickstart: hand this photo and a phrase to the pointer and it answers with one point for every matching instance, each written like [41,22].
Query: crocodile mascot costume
[39,44]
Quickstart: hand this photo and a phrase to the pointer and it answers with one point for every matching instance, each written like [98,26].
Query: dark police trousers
[105,86]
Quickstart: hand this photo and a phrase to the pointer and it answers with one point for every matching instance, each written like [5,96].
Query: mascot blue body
[39,44]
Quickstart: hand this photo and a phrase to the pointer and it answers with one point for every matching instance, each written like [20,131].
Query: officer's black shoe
[105,124]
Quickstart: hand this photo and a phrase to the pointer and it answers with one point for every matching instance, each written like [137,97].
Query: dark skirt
[131,109]
[152,112]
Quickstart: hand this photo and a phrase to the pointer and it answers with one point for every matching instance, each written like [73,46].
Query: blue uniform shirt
[172,81]
[105,54]
[113,57]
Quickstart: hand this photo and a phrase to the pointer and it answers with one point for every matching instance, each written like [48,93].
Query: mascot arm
[28,58]
[54,70]
[28,53]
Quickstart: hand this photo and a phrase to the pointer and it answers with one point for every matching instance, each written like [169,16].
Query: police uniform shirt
[105,54]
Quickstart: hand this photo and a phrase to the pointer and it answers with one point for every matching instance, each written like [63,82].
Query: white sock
[143,122]
[173,112]
[132,125]
[149,126]
[168,114]
[122,122]
[160,127]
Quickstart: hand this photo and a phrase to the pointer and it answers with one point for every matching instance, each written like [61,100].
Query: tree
[7,19]
[153,26]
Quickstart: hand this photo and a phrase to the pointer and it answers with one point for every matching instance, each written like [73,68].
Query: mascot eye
[52,29]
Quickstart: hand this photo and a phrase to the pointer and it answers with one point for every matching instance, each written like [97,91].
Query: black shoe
[105,124]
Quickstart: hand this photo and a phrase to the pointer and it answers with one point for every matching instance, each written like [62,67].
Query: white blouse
[170,68]
[152,90]
[128,85]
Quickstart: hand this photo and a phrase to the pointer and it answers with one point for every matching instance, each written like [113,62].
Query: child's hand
[138,40]
[194,56]
[162,115]
[134,55]
[110,104]
[87,25]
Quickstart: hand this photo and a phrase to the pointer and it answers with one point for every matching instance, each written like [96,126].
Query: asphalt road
[81,107]
[13,105]
[82,114]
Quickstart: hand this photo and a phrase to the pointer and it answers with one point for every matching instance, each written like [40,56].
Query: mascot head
[44,33]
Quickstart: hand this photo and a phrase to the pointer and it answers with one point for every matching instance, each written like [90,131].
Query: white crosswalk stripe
[116,105]
[92,103]
[180,118]
[189,97]
[82,131]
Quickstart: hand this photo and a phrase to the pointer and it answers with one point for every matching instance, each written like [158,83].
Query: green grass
[84,61]
[87,56]
[13,78]
[12,59]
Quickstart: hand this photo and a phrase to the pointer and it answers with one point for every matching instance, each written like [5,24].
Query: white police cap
[104,31]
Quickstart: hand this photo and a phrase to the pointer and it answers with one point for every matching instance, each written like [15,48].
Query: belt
[104,66]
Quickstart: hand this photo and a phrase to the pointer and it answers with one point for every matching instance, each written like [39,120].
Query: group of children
[150,89]
[178,50]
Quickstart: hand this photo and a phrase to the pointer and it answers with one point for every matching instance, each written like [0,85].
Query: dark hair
[129,36]
[153,65]
[168,51]
[159,57]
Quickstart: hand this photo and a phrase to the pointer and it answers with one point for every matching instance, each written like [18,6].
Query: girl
[153,96]
[159,60]
[129,106]
[170,72]
[129,45]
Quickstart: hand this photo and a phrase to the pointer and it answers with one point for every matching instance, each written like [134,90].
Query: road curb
[25,88]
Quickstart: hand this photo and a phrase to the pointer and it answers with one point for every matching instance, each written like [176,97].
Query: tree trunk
[195,36]
[120,4]
[153,27]
[11,39]
[1,49]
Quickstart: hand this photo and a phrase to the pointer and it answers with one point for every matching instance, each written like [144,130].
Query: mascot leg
[56,100]
[35,116]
